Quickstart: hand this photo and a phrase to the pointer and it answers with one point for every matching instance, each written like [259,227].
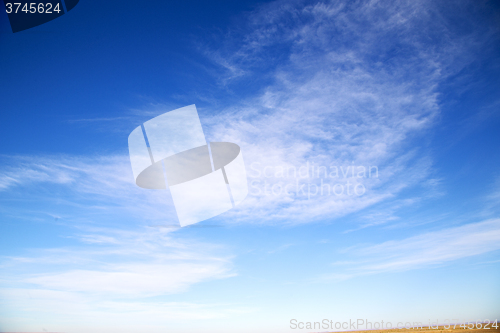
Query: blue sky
[408,87]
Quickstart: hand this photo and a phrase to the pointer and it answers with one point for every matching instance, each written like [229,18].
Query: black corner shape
[70,4]
[28,14]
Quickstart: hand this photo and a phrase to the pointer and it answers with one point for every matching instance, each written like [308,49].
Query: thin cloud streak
[94,186]
[429,249]
[113,275]
[123,263]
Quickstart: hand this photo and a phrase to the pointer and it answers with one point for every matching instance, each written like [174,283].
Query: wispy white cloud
[114,278]
[428,249]
[93,187]
[124,263]
[352,83]
[133,279]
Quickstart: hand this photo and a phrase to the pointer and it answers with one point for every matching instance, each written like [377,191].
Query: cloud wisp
[113,274]
[354,84]
[123,263]
[428,249]
[93,188]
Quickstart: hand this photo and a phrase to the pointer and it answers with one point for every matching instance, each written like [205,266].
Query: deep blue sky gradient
[74,88]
